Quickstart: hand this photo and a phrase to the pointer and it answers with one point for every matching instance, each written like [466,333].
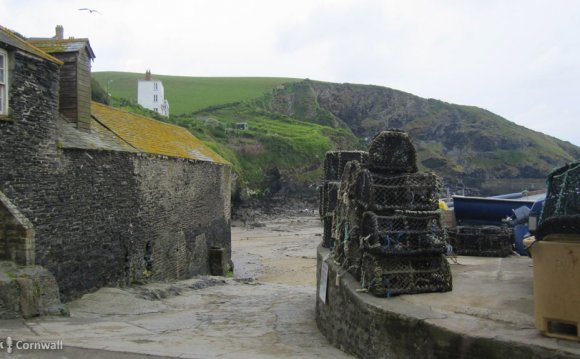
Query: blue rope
[386,241]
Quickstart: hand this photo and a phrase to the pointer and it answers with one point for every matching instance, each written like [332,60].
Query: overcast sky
[519,59]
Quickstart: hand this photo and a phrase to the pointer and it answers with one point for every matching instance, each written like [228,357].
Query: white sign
[323,281]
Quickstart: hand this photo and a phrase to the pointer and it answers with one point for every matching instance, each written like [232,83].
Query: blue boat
[487,211]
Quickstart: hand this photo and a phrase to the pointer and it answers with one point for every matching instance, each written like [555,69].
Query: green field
[190,94]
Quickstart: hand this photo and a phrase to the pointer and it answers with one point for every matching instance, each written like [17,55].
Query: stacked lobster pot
[482,241]
[386,226]
[334,164]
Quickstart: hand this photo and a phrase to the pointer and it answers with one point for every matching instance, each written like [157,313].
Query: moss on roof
[151,136]
[66,45]
[9,37]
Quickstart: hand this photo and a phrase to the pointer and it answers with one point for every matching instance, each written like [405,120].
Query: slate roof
[12,39]
[100,138]
[152,136]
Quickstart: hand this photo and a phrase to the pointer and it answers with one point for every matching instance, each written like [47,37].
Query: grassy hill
[467,145]
[276,150]
[292,123]
[189,94]
[288,149]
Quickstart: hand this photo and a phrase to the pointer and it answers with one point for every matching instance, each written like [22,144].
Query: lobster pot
[413,192]
[482,241]
[335,161]
[321,200]
[329,196]
[352,251]
[392,151]
[348,180]
[404,233]
[353,255]
[561,212]
[385,276]
[327,238]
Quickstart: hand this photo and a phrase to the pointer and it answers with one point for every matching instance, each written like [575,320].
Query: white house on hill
[150,94]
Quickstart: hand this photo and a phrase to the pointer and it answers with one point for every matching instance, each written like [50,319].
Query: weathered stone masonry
[103,217]
[121,217]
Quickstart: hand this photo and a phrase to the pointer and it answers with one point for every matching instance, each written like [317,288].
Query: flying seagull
[90,10]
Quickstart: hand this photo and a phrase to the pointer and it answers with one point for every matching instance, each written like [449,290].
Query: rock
[28,291]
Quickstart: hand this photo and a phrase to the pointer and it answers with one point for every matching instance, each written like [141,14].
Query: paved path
[206,317]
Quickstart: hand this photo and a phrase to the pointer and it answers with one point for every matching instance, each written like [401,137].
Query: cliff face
[468,146]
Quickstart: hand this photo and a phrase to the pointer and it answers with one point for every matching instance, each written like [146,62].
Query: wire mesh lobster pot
[351,252]
[328,197]
[348,180]
[321,196]
[335,161]
[482,241]
[345,220]
[385,276]
[404,233]
[327,237]
[561,211]
[392,151]
[413,192]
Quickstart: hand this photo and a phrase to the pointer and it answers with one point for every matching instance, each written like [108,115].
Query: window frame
[155,98]
[4,84]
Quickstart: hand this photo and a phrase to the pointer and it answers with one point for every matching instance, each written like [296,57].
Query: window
[3,82]
[156,109]
[154,98]
[155,86]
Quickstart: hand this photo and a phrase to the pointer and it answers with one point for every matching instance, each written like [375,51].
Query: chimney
[59,32]
[148,75]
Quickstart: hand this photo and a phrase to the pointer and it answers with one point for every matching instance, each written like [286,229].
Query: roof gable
[12,39]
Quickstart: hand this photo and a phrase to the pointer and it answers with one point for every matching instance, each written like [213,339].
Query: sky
[519,59]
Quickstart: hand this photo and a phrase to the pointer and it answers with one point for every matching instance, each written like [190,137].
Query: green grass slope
[467,145]
[189,94]
[292,123]
[275,152]
[273,143]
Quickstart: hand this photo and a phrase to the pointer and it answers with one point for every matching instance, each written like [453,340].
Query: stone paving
[205,317]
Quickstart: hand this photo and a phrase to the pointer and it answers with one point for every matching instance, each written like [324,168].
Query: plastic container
[557,286]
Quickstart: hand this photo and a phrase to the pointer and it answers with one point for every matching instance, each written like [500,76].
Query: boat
[488,210]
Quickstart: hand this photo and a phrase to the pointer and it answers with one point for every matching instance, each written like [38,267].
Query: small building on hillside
[96,195]
[241,126]
[151,95]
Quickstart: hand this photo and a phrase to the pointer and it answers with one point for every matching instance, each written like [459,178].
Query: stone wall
[105,217]
[119,217]
[185,208]
[370,327]
[16,234]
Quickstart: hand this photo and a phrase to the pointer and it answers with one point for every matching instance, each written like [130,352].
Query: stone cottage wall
[27,150]
[104,217]
[186,208]
[120,217]
[16,234]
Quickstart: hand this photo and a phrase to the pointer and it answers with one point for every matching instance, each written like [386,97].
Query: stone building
[95,195]
[151,95]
